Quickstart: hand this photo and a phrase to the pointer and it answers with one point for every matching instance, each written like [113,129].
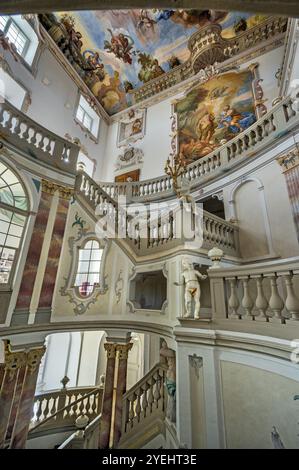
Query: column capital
[50,187]
[111,350]
[14,360]
[123,350]
[34,357]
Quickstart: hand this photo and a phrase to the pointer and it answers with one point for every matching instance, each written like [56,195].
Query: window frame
[88,272]
[8,24]
[81,303]
[84,113]
[93,136]
[24,213]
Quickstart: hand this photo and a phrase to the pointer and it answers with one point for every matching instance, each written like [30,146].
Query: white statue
[191,278]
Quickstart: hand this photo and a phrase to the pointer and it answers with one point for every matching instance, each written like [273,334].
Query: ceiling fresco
[116,51]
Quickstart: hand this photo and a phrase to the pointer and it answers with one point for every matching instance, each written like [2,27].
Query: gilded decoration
[111,350]
[51,188]
[123,350]
[289,160]
[14,360]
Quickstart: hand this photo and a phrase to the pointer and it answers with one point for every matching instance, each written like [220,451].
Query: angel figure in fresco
[191,17]
[94,64]
[121,46]
[235,122]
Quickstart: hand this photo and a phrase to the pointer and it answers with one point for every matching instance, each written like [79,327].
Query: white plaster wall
[251,217]
[155,144]
[107,305]
[269,64]
[244,395]
[198,407]
[87,367]
[54,105]
[254,401]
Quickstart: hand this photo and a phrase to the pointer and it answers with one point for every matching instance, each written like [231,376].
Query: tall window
[84,117]
[89,266]
[14,34]
[13,215]
[87,117]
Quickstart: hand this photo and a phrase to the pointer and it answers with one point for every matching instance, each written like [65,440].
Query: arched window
[13,216]
[89,266]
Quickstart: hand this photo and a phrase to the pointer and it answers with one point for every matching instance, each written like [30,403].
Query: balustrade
[280,119]
[265,292]
[35,141]
[154,231]
[147,397]
[60,408]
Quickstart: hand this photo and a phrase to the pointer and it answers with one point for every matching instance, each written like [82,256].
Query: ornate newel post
[123,352]
[108,396]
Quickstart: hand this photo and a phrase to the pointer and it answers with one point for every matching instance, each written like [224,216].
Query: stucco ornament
[191,281]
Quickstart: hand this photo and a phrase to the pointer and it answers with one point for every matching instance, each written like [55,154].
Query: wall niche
[148,291]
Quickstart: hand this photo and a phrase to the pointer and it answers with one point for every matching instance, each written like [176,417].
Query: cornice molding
[270,7]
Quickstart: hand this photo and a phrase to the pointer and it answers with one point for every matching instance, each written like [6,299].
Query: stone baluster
[292,302]
[17,128]
[261,302]
[138,404]
[233,301]
[247,302]
[131,410]
[144,402]
[276,303]
[8,124]
[39,411]
[151,395]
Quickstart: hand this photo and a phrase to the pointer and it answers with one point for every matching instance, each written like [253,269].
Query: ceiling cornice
[278,7]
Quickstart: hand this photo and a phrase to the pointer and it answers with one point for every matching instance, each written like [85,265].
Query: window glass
[89,266]
[12,201]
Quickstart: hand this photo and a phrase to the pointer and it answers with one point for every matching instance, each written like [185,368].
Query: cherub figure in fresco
[121,46]
[145,21]
[235,122]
